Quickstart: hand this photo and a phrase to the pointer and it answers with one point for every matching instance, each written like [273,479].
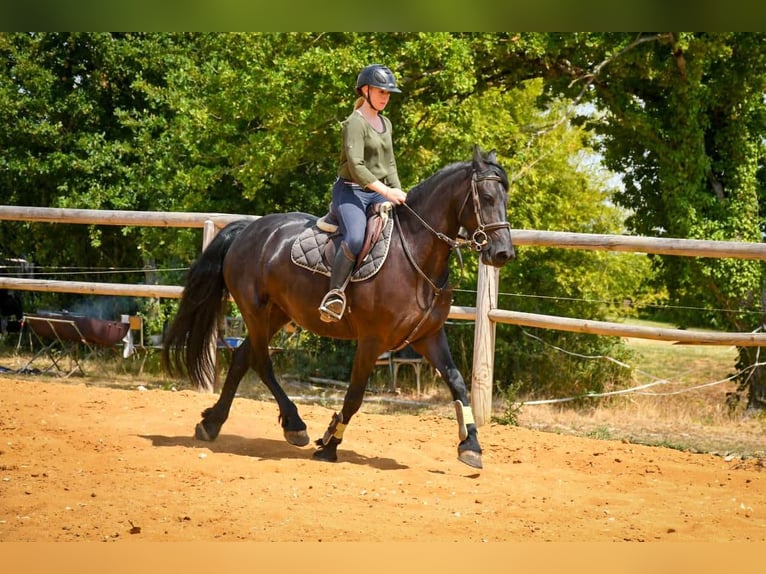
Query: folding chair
[59,338]
[408,356]
[395,360]
[384,360]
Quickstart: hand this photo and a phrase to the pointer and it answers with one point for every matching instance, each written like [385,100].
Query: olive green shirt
[367,155]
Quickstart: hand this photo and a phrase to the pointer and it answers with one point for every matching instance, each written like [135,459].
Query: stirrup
[333,306]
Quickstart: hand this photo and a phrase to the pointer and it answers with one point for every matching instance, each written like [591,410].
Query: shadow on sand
[267,449]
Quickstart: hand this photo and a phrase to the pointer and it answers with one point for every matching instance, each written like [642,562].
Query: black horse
[407,302]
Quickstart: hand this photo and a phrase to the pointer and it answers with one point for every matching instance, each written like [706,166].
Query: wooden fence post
[482,378]
[208,233]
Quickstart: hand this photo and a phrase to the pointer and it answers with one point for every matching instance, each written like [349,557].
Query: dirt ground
[88,463]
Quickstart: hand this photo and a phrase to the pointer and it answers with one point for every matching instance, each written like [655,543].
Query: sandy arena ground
[84,463]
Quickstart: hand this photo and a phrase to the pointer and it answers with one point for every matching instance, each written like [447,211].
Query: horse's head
[483,214]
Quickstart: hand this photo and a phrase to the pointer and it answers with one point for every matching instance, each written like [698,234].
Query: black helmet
[377,76]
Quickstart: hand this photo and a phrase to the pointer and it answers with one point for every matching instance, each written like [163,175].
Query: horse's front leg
[333,436]
[328,445]
[364,361]
[436,350]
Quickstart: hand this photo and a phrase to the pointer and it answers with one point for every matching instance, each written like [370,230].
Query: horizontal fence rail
[484,314]
[640,244]
[91,288]
[456,312]
[103,217]
[684,336]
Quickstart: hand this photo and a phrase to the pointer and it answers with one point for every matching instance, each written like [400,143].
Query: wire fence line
[639,389]
[42,272]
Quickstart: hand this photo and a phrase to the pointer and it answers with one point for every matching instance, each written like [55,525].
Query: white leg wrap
[464,416]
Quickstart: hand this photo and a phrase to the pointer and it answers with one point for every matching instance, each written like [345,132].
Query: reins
[437,290]
[478,242]
[480,238]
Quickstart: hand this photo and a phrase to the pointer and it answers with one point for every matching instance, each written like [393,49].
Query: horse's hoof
[200,433]
[322,457]
[471,458]
[297,438]
[325,455]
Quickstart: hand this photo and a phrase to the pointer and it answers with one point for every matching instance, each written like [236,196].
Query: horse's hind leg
[214,417]
[293,427]
[260,331]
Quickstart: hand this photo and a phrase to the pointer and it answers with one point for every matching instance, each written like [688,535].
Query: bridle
[480,240]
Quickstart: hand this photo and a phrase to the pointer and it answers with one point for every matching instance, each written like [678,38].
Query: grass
[685,410]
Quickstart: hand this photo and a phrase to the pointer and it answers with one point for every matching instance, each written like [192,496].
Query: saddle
[314,248]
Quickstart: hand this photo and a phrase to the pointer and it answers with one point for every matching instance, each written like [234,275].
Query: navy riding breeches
[350,202]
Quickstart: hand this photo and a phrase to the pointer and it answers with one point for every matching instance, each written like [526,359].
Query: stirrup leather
[333,306]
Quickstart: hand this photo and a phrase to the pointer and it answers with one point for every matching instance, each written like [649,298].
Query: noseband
[480,239]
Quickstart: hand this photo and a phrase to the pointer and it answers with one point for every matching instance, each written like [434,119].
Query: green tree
[68,107]
[684,122]
[557,184]
[250,123]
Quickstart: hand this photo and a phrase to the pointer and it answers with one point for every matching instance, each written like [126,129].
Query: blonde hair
[358,103]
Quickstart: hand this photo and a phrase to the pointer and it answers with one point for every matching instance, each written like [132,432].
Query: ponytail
[358,103]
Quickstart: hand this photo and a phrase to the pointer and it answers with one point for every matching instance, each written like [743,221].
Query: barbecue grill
[73,335]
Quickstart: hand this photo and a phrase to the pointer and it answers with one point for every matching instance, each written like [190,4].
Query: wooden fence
[485,314]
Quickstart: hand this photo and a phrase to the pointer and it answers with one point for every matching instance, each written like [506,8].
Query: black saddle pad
[309,248]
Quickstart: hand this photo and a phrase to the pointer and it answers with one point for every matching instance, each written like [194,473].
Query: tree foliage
[683,124]
[249,123]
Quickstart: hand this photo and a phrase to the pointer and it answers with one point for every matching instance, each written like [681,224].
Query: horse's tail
[187,341]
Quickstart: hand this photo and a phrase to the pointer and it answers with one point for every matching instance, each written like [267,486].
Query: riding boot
[334,302]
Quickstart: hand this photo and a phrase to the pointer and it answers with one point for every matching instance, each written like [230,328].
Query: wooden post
[482,379]
[208,234]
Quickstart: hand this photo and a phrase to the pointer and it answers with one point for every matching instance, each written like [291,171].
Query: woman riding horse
[406,302]
[367,175]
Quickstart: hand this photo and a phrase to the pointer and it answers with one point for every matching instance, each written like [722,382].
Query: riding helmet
[377,76]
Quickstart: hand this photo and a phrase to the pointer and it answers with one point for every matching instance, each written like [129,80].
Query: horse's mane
[435,179]
[447,171]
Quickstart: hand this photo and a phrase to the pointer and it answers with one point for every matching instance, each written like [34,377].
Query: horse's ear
[478,156]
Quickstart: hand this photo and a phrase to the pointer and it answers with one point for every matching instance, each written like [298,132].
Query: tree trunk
[756,395]
[752,378]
